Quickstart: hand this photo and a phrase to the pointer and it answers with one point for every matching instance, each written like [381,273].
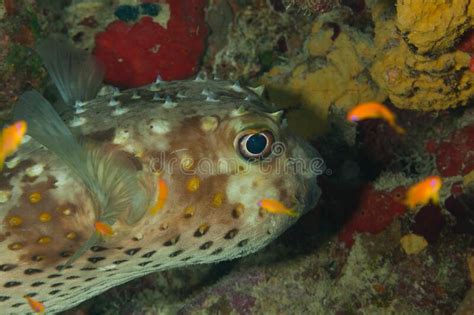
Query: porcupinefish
[124,183]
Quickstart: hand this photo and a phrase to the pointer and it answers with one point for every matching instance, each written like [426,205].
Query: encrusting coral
[421,68]
[330,70]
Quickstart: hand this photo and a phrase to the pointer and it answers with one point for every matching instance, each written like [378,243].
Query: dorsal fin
[115,187]
[77,75]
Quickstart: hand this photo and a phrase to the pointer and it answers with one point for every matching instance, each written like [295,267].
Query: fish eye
[254,145]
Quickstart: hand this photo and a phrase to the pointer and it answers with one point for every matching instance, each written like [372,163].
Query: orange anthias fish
[162,195]
[274,206]
[374,110]
[36,306]
[103,228]
[421,193]
[10,140]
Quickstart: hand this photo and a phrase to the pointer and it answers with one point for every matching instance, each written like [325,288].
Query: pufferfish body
[175,169]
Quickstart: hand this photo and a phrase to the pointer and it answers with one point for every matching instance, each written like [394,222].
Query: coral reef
[434,27]
[19,67]
[331,70]
[360,251]
[313,6]
[419,69]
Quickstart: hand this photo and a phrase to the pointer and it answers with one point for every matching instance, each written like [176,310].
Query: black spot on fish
[144,263]
[202,230]
[149,254]
[176,253]
[11,284]
[217,251]
[171,241]
[242,243]
[88,269]
[186,258]
[55,285]
[98,248]
[72,277]
[95,260]
[206,245]
[37,284]
[4,298]
[118,262]
[32,294]
[132,251]
[18,305]
[54,292]
[65,254]
[7,267]
[31,271]
[54,275]
[231,234]
[62,267]
[90,279]
[156,266]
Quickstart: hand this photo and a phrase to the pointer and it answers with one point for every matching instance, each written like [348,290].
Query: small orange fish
[103,228]
[10,140]
[422,192]
[274,206]
[162,196]
[36,306]
[374,110]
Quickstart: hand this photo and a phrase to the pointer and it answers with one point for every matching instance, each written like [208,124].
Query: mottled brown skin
[208,216]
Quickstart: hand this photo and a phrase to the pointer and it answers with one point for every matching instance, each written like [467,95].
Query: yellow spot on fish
[193,184]
[66,211]
[202,229]
[34,197]
[44,240]
[5,195]
[209,123]
[15,246]
[15,221]
[189,212]
[37,258]
[274,206]
[164,226]
[71,236]
[217,199]
[45,217]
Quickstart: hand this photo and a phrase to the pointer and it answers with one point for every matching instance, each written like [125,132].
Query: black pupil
[256,143]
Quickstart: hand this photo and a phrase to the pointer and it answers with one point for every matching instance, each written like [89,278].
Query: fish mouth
[308,193]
